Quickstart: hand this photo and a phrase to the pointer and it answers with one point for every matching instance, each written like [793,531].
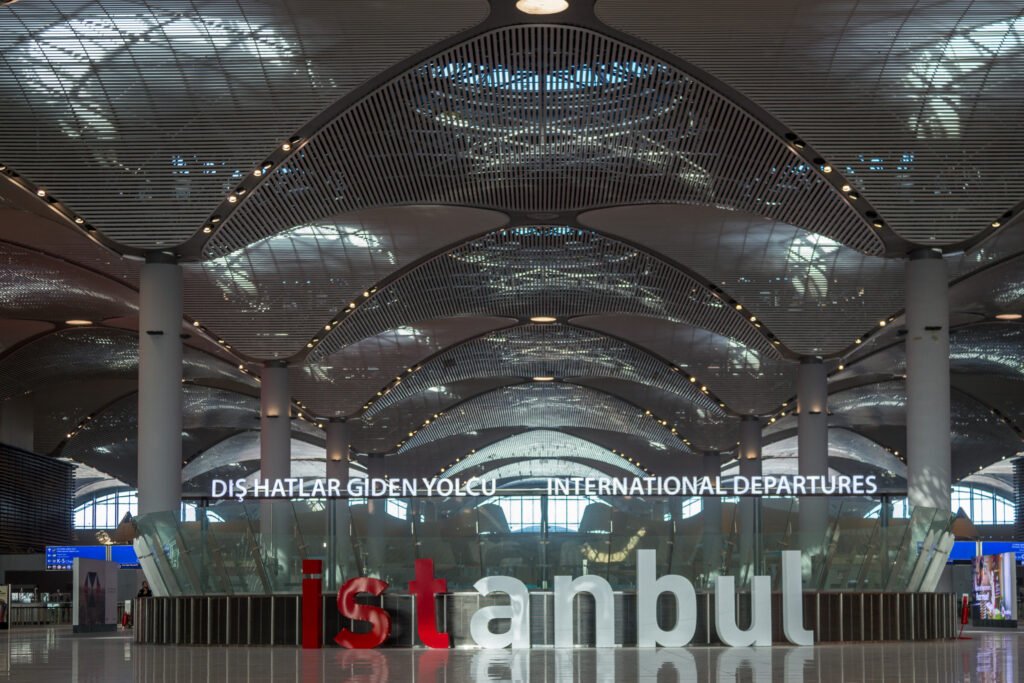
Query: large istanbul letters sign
[650,633]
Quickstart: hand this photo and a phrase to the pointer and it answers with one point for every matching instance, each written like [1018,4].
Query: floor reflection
[35,655]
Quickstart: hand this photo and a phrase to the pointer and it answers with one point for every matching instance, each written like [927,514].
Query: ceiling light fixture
[543,319]
[1009,316]
[542,6]
[544,379]
[41,192]
[78,322]
[826,169]
[996,224]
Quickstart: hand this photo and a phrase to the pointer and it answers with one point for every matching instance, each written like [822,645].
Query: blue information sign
[61,557]
[1000,547]
[125,556]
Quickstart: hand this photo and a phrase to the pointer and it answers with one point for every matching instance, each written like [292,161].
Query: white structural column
[338,451]
[340,553]
[275,421]
[929,469]
[750,466]
[17,422]
[712,537]
[275,448]
[160,395]
[812,455]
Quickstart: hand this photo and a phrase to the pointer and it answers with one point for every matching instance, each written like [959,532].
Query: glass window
[525,513]
[397,508]
[107,511]
[692,506]
[982,506]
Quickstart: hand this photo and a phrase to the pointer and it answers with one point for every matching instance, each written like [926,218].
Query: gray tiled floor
[44,655]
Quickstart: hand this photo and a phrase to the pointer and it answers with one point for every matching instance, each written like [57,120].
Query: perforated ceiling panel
[541,271]
[108,442]
[748,381]
[541,118]
[545,406]
[540,444]
[39,287]
[878,411]
[90,354]
[141,116]
[343,383]
[815,294]
[269,299]
[912,101]
[847,445]
[552,350]
[392,425]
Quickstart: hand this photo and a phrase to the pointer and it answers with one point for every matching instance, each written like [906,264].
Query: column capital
[165,257]
[923,254]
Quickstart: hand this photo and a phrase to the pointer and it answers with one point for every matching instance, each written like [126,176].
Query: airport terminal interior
[511,340]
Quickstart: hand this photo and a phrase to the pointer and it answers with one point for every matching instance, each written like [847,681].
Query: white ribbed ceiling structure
[686,197]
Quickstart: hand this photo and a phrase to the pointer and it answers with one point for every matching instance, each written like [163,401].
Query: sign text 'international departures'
[429,487]
[425,588]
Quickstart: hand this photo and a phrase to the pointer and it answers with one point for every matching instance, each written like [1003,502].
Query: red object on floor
[312,605]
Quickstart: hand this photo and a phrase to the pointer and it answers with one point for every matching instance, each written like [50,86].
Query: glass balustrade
[256,547]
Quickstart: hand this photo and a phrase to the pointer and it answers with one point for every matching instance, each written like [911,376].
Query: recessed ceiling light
[543,379]
[1010,316]
[826,169]
[542,6]
[41,192]
[78,322]
[543,319]
[846,188]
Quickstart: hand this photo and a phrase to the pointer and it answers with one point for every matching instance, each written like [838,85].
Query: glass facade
[229,549]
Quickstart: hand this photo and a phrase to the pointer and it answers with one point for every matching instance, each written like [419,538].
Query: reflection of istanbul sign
[767,485]
[650,631]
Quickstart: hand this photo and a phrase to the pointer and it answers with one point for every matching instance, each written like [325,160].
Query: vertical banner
[95,596]
[5,606]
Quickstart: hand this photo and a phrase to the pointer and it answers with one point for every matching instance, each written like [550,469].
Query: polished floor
[45,655]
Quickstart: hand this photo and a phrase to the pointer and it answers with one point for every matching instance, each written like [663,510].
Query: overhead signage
[124,556]
[62,557]
[428,487]
[650,630]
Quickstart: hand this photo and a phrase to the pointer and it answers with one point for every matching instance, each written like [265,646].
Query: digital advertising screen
[62,557]
[125,556]
[995,587]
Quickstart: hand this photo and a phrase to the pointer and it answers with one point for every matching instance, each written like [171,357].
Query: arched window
[106,511]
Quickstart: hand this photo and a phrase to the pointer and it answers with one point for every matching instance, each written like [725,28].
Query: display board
[95,596]
[995,590]
[5,606]
[61,557]
[1000,547]
[124,555]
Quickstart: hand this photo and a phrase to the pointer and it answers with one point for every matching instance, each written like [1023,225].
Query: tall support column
[275,457]
[929,469]
[750,509]
[340,553]
[160,395]
[17,422]
[812,458]
[375,543]
[712,537]
[1018,498]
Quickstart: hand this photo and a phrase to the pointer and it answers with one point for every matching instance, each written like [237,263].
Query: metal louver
[547,270]
[540,118]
